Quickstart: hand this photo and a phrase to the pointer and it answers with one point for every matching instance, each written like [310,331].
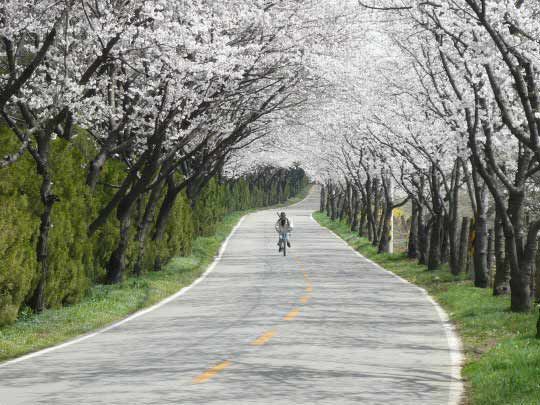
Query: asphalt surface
[321,325]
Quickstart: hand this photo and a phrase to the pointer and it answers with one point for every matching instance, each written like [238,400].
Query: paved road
[321,325]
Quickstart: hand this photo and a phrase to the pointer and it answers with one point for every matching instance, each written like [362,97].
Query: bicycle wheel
[284,248]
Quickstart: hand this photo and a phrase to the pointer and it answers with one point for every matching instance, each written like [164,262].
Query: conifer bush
[76,260]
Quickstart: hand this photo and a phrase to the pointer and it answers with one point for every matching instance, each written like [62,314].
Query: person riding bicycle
[283,228]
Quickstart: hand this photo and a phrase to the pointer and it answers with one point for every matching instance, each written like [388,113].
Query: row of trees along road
[118,118]
[444,117]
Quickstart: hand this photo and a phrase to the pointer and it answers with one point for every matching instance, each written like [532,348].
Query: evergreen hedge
[78,261]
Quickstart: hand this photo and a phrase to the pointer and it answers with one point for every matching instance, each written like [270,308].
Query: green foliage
[70,252]
[241,198]
[75,260]
[177,239]
[18,226]
[502,353]
[17,255]
[209,209]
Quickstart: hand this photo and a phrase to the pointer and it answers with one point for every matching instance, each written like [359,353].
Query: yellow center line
[264,338]
[305,299]
[306,275]
[290,316]
[212,372]
[308,281]
[308,289]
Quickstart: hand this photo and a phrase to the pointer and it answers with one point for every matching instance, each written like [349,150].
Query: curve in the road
[455,347]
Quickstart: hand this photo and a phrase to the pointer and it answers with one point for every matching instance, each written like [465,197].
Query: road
[322,325]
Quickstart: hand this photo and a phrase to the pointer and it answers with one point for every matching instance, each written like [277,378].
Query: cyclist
[283,228]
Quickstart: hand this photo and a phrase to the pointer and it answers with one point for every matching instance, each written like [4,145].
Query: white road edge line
[454,342]
[136,314]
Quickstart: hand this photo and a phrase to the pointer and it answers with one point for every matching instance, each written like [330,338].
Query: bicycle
[283,239]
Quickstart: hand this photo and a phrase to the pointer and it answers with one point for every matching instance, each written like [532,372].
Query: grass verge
[106,304]
[502,355]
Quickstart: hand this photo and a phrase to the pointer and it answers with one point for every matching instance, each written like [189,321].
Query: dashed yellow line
[305,299]
[291,315]
[264,338]
[261,340]
[212,372]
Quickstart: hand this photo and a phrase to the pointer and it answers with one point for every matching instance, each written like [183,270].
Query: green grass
[105,304]
[502,355]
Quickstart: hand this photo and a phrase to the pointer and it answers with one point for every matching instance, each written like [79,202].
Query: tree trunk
[481,278]
[333,207]
[412,252]
[328,201]
[117,261]
[434,258]
[323,199]
[342,207]
[501,284]
[368,206]
[363,220]
[519,256]
[463,248]
[470,247]
[490,256]
[165,210]
[348,205]
[377,223]
[380,224]
[386,230]
[371,237]
[453,219]
[537,274]
[96,165]
[520,286]
[355,211]
[47,199]
[384,240]
[423,237]
[124,210]
[145,223]
[522,299]
[445,239]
